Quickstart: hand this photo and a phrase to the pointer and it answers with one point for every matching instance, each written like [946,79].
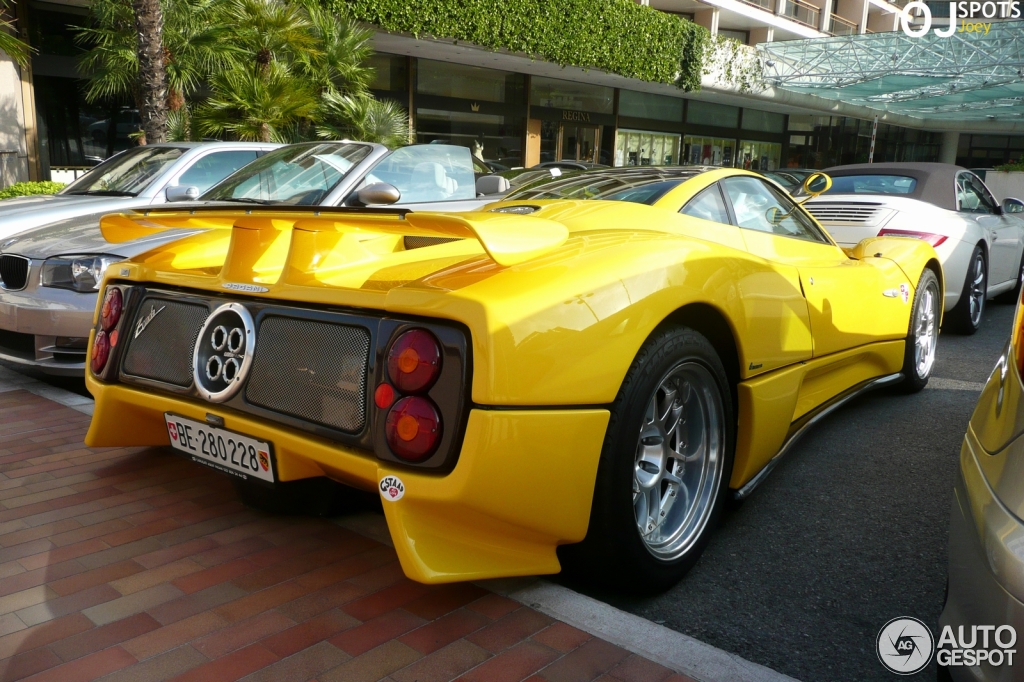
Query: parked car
[986,534]
[141,176]
[49,276]
[979,241]
[617,350]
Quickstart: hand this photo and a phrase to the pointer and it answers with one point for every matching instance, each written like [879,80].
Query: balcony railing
[803,12]
[768,5]
[838,26]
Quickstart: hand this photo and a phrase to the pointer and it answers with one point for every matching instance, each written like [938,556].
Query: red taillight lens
[931,238]
[110,312]
[384,396]
[100,352]
[413,428]
[414,361]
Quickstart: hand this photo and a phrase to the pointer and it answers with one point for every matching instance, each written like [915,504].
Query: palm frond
[365,119]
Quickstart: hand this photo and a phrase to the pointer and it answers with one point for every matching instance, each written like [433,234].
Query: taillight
[110,311]
[100,351]
[384,396]
[931,238]
[414,361]
[413,428]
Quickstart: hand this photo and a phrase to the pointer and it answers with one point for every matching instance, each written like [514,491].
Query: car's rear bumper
[523,483]
[985,554]
[46,328]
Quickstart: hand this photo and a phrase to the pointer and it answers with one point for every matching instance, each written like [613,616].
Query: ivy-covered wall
[618,36]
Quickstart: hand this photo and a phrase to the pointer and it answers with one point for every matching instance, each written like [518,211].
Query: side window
[759,206]
[428,172]
[708,205]
[212,168]
[972,196]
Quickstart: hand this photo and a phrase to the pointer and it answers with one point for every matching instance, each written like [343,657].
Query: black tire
[961,319]
[915,372]
[614,541]
[311,496]
[1013,295]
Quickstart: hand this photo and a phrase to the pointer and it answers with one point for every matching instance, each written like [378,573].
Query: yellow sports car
[585,370]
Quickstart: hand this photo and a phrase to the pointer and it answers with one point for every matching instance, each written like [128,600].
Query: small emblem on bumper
[391,488]
[248,288]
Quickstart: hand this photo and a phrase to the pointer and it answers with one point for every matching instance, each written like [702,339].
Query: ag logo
[905,645]
[391,488]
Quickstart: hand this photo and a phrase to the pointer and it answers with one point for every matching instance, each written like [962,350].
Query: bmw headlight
[79,273]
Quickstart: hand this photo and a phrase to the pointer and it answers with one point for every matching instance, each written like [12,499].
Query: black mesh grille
[314,371]
[162,351]
[13,272]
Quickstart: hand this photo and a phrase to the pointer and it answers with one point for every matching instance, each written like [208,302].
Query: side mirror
[182,193]
[816,184]
[378,193]
[1011,205]
[774,215]
[492,184]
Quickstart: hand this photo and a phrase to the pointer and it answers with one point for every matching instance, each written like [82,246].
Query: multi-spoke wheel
[664,468]
[923,336]
[966,316]
[679,460]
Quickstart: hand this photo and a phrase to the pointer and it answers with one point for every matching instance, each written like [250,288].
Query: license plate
[219,448]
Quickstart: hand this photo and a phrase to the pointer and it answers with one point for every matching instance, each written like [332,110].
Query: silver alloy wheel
[679,460]
[926,329]
[977,289]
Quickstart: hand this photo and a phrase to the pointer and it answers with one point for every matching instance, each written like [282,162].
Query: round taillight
[110,312]
[100,352]
[413,428]
[384,396]
[414,361]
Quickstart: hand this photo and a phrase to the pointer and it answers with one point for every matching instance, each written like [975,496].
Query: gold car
[593,364]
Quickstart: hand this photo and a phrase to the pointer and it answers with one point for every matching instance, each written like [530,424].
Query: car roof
[936,182]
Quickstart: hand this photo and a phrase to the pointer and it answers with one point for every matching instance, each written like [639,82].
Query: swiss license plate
[219,448]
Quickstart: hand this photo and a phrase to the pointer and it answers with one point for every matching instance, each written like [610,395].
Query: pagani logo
[223,352]
[144,322]
[247,288]
[905,645]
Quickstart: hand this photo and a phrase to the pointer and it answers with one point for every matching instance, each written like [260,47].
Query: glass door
[579,143]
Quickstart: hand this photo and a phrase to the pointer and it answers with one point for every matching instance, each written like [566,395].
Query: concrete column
[708,18]
[950,142]
[13,145]
[826,16]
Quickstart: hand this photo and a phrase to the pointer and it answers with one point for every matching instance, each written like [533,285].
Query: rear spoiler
[508,239]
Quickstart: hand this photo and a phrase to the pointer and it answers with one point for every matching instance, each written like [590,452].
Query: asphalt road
[849,532]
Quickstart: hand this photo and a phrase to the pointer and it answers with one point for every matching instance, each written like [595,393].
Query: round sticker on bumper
[391,488]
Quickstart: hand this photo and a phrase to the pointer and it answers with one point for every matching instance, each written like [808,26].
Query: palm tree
[9,42]
[152,81]
[364,118]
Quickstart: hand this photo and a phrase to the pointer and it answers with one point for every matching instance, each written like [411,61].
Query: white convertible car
[980,242]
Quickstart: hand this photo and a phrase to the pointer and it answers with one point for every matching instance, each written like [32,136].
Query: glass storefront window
[708,113]
[494,138]
[557,94]
[444,79]
[708,151]
[646,105]
[759,155]
[389,72]
[763,121]
[641,148]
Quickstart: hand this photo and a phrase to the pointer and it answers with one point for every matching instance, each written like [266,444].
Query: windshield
[872,184]
[126,174]
[302,174]
[640,188]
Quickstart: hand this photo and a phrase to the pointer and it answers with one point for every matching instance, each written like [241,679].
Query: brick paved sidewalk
[135,565]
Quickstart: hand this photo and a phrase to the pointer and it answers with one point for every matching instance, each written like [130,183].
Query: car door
[1003,233]
[849,301]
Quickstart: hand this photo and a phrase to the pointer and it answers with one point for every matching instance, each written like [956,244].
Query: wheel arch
[714,325]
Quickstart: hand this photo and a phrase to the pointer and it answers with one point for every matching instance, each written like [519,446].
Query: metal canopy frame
[966,76]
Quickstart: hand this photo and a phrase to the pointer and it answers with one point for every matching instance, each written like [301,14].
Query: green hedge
[24,189]
[1011,167]
[618,36]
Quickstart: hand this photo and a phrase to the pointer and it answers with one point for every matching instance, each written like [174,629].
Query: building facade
[515,111]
